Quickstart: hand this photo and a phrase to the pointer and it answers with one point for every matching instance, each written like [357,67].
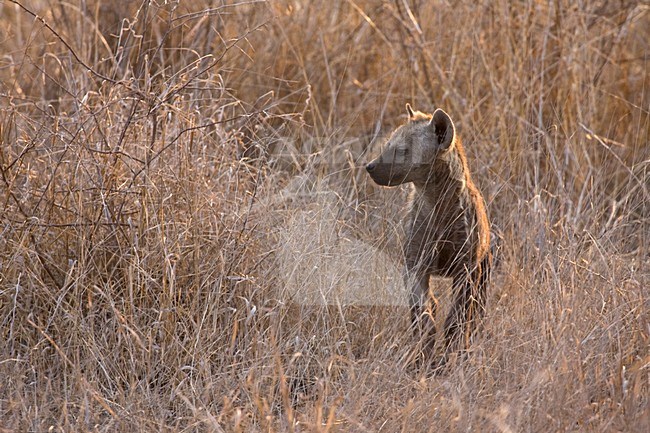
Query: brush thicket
[176,175]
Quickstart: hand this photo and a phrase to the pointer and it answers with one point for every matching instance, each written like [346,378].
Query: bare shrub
[163,165]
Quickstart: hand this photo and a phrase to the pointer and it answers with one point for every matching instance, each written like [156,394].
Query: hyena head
[413,149]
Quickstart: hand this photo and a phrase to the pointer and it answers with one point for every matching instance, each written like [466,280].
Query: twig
[63,41]
[618,158]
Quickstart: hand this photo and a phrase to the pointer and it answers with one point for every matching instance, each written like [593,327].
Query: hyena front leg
[468,307]
[423,309]
[457,317]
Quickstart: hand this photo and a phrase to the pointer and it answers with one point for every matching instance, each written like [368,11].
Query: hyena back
[447,227]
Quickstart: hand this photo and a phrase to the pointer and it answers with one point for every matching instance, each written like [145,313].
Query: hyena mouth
[389,174]
[385,174]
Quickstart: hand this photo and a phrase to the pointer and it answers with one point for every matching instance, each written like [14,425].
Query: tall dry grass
[169,169]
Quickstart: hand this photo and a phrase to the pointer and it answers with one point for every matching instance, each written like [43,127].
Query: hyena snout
[386,173]
[371,166]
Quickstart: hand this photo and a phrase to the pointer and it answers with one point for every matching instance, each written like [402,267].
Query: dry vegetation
[170,169]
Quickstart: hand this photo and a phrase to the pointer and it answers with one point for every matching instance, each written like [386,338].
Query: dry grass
[170,169]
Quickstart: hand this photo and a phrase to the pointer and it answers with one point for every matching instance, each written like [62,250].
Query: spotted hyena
[447,229]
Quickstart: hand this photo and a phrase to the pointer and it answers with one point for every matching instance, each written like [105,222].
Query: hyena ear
[443,129]
[409,111]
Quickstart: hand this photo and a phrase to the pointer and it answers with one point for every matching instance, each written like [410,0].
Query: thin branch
[63,41]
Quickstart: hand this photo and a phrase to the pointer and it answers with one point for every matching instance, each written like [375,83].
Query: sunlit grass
[177,177]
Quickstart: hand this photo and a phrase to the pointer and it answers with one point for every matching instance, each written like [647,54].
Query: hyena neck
[443,191]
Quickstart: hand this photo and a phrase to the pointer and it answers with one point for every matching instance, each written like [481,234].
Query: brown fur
[447,226]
